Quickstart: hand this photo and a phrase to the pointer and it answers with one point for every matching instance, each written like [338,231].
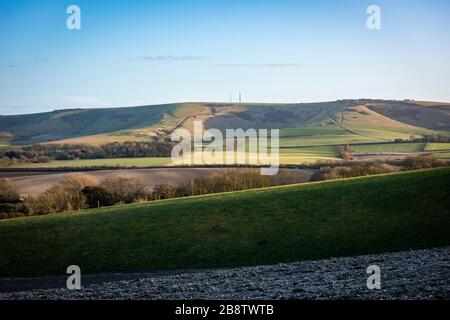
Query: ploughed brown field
[34,183]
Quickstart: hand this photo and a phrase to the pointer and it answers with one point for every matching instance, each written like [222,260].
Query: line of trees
[366,168]
[77,191]
[231,180]
[80,191]
[42,153]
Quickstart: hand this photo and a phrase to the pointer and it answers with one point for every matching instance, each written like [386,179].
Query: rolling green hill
[62,124]
[305,124]
[310,221]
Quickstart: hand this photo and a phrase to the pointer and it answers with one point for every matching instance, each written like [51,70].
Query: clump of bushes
[415,163]
[124,190]
[364,168]
[11,205]
[9,193]
[56,199]
[355,169]
[97,197]
[167,191]
[77,191]
[284,178]
[78,181]
[67,196]
[81,191]
[230,180]
[42,153]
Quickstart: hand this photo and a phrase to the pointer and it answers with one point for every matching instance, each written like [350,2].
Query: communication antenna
[240,97]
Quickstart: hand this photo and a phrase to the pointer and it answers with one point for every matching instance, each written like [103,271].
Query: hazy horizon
[212,102]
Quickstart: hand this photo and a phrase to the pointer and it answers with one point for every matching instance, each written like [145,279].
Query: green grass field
[385,134]
[287,156]
[315,135]
[119,162]
[311,221]
[319,135]
[301,155]
[308,154]
[444,155]
[324,140]
[389,147]
[304,158]
[319,150]
[312,131]
[437,146]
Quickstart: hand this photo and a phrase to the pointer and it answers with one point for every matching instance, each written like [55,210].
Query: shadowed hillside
[433,116]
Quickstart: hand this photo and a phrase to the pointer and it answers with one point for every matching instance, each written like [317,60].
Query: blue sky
[138,52]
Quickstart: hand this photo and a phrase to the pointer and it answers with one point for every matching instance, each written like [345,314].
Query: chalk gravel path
[422,274]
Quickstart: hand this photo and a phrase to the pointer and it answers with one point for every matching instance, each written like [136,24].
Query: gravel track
[421,274]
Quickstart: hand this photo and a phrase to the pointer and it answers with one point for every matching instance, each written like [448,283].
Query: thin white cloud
[41,59]
[170,58]
[260,65]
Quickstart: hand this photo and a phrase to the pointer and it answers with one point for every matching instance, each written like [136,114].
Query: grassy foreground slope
[310,221]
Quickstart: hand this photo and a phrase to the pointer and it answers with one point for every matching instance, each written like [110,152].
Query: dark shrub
[167,192]
[125,190]
[56,199]
[97,197]
[9,193]
[413,163]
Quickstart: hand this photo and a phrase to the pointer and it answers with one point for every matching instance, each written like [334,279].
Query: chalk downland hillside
[97,124]
[429,115]
[306,124]
[312,221]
